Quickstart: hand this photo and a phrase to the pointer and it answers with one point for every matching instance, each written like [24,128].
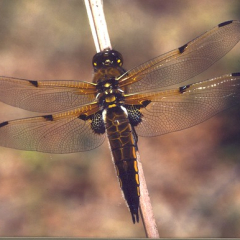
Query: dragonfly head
[107,58]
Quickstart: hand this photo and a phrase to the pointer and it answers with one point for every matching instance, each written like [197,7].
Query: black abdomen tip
[135,217]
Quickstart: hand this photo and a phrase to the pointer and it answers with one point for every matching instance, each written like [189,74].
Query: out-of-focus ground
[193,175]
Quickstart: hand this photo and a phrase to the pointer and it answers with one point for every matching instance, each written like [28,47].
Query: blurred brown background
[193,175]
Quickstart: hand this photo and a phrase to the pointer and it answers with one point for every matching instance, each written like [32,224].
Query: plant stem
[98,24]
[146,211]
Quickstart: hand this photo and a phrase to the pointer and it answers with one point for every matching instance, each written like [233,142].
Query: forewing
[184,107]
[45,96]
[58,133]
[185,62]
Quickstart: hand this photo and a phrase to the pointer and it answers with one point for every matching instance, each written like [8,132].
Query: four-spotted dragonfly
[123,104]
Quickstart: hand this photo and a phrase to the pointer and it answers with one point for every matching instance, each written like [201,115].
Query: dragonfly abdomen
[123,146]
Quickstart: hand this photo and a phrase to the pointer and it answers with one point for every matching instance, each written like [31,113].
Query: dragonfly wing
[45,96]
[185,62]
[184,107]
[65,132]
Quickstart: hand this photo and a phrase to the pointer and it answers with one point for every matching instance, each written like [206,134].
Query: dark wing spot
[34,83]
[182,48]
[3,124]
[48,117]
[183,88]
[224,23]
[97,123]
[146,102]
[236,74]
[83,117]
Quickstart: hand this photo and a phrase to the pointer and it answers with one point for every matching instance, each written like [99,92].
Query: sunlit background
[193,176]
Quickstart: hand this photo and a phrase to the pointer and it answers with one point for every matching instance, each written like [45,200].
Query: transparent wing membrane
[45,96]
[185,62]
[184,107]
[58,133]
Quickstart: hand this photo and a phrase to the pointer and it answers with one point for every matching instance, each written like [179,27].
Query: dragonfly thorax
[109,94]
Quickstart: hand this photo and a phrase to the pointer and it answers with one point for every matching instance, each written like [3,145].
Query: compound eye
[119,62]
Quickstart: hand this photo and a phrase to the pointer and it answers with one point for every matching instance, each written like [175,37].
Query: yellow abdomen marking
[120,182]
[138,191]
[137,178]
[135,166]
[117,170]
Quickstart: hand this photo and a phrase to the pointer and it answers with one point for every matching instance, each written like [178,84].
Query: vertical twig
[102,41]
[146,211]
[98,24]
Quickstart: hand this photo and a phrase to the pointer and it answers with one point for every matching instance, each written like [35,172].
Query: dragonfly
[122,105]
